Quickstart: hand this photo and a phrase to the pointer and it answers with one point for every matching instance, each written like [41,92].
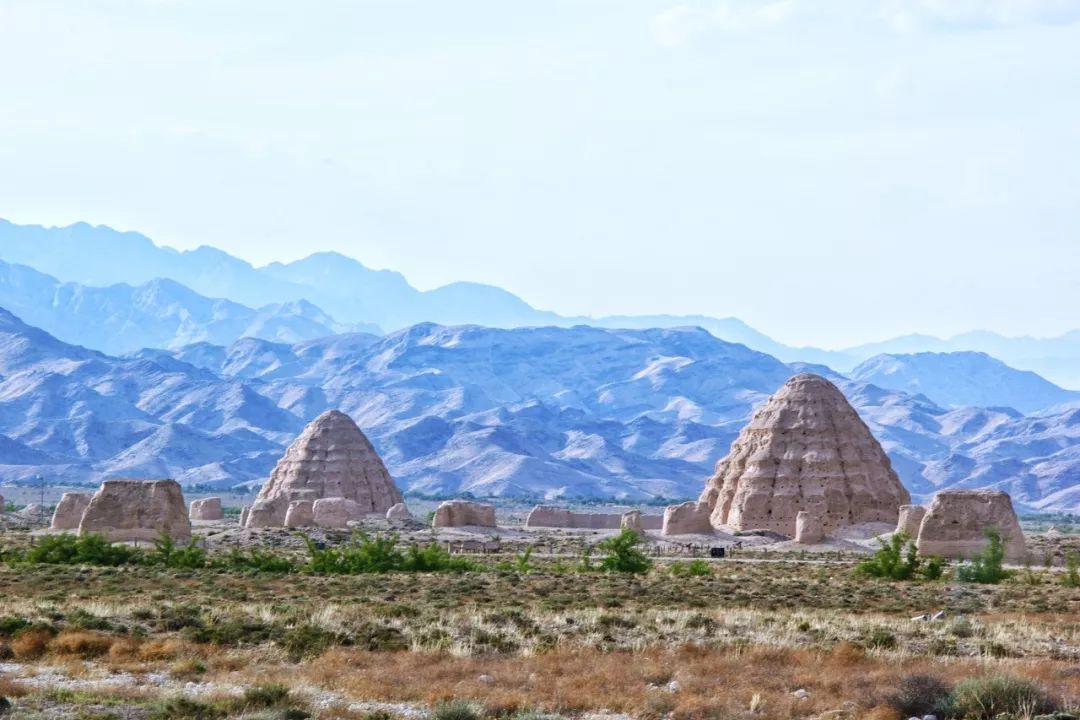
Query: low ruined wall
[546,516]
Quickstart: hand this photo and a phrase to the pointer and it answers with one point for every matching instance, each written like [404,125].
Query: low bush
[30,644]
[987,566]
[986,698]
[898,559]
[919,695]
[694,568]
[456,710]
[623,554]
[81,644]
[1071,578]
[90,549]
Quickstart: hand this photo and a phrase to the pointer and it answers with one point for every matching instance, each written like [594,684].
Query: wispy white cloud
[907,15]
[675,25]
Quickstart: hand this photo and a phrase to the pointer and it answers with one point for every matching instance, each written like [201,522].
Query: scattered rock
[805,449]
[801,694]
[132,510]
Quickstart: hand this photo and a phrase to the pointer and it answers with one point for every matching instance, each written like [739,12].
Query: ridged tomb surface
[331,458]
[806,449]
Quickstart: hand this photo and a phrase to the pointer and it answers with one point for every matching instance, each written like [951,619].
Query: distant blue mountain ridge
[345,294]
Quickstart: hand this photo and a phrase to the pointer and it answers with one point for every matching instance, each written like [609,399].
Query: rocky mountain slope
[963,378]
[353,294]
[159,313]
[541,412]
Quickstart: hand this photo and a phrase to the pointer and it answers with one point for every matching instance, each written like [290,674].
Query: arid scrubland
[800,637]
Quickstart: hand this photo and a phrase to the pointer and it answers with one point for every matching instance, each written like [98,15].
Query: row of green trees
[361,554]
[898,559]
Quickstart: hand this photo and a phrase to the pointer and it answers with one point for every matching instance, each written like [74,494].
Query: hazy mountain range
[346,294]
[199,366]
[538,412]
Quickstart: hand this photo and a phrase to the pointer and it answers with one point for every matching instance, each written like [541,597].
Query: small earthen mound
[399,513]
[688,518]
[462,513]
[207,509]
[301,513]
[334,512]
[69,511]
[808,528]
[911,517]
[955,525]
[132,510]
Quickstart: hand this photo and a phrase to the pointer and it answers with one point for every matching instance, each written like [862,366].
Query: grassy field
[794,638]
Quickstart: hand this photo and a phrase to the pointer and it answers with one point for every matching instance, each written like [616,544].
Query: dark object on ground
[716,552]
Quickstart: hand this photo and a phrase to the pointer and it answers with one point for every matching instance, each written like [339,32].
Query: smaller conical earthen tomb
[331,458]
[805,450]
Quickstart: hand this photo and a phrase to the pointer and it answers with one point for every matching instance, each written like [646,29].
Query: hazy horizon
[831,175]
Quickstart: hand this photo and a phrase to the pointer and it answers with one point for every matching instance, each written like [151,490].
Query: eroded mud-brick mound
[331,458]
[807,450]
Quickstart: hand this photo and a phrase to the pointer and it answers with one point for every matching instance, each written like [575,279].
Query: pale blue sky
[830,171]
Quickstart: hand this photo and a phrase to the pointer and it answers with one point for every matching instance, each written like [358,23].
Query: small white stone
[674,686]
[801,694]
[486,679]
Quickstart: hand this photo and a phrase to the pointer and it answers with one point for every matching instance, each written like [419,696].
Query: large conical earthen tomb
[331,458]
[807,450]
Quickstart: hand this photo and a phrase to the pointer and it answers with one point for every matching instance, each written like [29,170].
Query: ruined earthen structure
[330,459]
[632,521]
[910,519]
[301,513]
[462,513]
[549,516]
[207,509]
[688,518]
[334,512]
[808,530]
[399,512]
[69,511]
[955,525]
[244,515]
[125,510]
[805,449]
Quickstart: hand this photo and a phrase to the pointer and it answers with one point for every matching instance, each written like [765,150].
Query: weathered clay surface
[808,528]
[33,511]
[301,513]
[910,519]
[463,513]
[955,524]
[334,512]
[244,515]
[125,510]
[69,511]
[632,521]
[207,509]
[548,516]
[688,518]
[805,449]
[399,512]
[331,458]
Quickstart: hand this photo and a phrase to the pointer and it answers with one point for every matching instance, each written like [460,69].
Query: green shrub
[919,695]
[91,549]
[266,696]
[897,559]
[256,559]
[1071,578]
[986,698]
[307,641]
[694,568]
[166,553]
[456,710]
[623,553]
[182,708]
[986,567]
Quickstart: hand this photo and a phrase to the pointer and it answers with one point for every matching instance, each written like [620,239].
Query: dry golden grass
[11,688]
[81,643]
[31,644]
[711,683]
